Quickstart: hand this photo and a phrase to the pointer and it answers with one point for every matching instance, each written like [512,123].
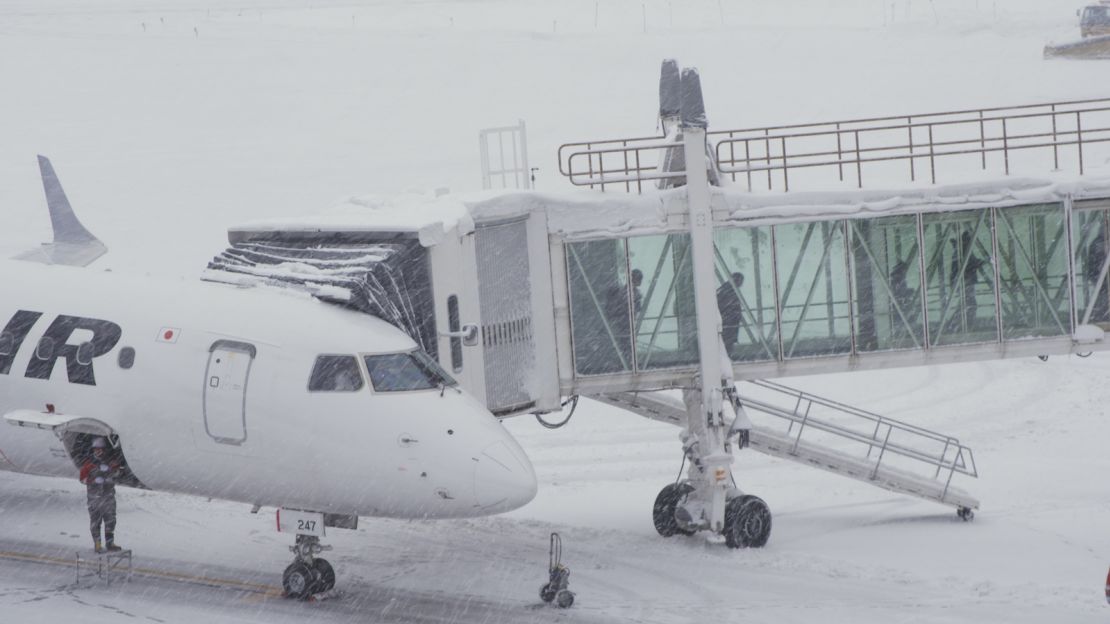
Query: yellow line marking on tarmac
[259,590]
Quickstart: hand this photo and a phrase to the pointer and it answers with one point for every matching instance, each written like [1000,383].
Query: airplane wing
[73,244]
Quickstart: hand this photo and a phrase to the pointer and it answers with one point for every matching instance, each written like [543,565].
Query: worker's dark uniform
[732,315]
[99,478]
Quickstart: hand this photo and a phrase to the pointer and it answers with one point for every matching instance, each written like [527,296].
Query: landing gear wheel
[747,522]
[547,593]
[663,512]
[325,575]
[965,513]
[299,580]
[564,599]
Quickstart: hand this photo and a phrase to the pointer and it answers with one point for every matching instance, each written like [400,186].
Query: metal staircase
[837,438]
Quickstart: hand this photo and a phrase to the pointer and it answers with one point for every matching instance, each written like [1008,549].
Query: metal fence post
[1005,146]
[909,130]
[1079,138]
[839,154]
[932,159]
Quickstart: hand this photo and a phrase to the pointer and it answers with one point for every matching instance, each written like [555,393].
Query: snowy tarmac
[40,578]
[171,120]
[840,551]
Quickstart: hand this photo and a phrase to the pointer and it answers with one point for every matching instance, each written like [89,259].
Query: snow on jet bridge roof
[584,214]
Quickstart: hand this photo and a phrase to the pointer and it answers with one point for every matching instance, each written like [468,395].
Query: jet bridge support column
[709,499]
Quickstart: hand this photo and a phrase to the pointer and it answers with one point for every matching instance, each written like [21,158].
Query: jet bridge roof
[584,214]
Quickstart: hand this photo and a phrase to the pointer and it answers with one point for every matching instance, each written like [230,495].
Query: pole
[705,406]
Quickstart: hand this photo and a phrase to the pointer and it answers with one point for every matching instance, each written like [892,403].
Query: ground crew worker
[99,473]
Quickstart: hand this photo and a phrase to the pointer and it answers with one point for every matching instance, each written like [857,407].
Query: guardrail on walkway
[880,435]
[770,154]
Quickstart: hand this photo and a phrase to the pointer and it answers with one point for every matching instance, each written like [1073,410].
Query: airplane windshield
[335,373]
[400,372]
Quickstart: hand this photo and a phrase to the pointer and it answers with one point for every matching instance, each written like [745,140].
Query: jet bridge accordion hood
[389,280]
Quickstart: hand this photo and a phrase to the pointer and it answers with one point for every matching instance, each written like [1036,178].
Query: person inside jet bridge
[99,474]
[731,308]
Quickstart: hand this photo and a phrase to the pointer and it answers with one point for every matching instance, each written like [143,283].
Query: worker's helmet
[99,443]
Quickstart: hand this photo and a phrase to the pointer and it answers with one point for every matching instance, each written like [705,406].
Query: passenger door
[225,391]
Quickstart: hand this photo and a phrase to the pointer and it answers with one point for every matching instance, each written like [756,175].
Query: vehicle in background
[1094,20]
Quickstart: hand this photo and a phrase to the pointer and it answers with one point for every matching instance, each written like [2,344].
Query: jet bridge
[531,298]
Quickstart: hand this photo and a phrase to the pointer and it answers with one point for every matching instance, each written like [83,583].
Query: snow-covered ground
[169,120]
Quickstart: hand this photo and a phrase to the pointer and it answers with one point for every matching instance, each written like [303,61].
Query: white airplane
[250,395]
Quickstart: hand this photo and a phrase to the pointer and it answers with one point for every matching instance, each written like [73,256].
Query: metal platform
[106,566]
[836,438]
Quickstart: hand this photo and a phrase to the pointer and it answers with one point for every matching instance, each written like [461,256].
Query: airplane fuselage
[207,387]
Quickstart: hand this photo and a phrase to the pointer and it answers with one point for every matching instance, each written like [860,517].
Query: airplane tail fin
[73,244]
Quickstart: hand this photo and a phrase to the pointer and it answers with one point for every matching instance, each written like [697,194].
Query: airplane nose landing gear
[308,574]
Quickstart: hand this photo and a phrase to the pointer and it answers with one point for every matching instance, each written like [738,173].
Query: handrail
[990,130]
[955,457]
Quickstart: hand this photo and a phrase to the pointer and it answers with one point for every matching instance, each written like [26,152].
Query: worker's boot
[96,546]
[112,545]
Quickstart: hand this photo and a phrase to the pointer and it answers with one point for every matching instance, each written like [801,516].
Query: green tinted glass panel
[600,312]
[746,293]
[959,277]
[1089,222]
[886,272]
[1033,271]
[663,301]
[813,289]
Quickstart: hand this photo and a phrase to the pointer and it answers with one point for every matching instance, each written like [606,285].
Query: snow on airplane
[251,395]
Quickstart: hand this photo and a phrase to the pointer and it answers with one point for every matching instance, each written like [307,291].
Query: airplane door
[225,391]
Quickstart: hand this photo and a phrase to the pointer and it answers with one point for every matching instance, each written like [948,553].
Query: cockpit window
[335,373]
[400,372]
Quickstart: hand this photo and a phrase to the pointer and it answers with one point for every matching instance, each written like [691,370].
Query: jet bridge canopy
[388,279]
[845,283]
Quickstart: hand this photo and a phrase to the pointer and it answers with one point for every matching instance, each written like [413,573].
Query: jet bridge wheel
[664,511]
[747,522]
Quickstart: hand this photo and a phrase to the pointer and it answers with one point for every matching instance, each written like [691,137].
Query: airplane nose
[504,478]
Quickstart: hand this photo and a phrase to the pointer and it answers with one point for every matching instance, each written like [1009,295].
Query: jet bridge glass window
[601,316]
[813,288]
[662,301]
[744,267]
[335,373]
[1089,227]
[886,278]
[1033,271]
[960,279]
[403,372]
